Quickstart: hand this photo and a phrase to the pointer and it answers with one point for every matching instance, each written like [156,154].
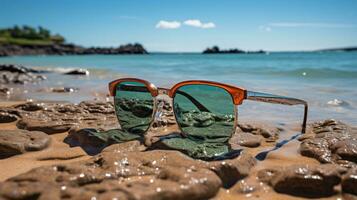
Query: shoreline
[288,155]
[335,101]
[78,147]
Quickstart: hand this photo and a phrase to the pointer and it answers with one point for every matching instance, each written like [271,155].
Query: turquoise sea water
[328,81]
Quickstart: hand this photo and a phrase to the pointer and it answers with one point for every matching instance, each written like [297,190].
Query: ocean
[327,80]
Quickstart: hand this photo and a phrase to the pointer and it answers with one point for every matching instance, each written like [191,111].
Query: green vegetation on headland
[27,40]
[27,35]
[216,50]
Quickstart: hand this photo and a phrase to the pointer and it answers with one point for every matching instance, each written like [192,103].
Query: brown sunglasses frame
[238,94]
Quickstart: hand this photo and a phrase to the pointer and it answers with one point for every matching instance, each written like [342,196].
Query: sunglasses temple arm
[137,88]
[201,107]
[276,99]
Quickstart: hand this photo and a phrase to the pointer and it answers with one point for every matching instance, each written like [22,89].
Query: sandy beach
[178,100]
[61,150]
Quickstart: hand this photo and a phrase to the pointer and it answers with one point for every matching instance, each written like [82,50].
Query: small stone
[346,149]
[17,74]
[13,142]
[30,106]
[64,90]
[231,171]
[6,117]
[349,181]
[246,139]
[81,72]
[303,180]
[317,148]
[4,91]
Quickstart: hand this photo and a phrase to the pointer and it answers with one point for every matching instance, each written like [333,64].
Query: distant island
[342,49]
[217,50]
[27,40]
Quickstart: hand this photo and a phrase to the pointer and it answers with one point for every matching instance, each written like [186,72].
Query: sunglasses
[202,109]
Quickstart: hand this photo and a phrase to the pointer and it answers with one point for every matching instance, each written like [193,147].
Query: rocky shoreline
[217,50]
[61,150]
[124,163]
[68,49]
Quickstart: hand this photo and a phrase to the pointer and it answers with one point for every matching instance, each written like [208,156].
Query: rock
[45,125]
[132,175]
[13,142]
[216,50]
[349,181]
[303,180]
[269,133]
[17,69]
[6,117]
[64,90]
[233,170]
[246,139]
[244,187]
[317,148]
[17,74]
[98,107]
[4,91]
[130,146]
[346,149]
[57,118]
[78,72]
[331,141]
[30,106]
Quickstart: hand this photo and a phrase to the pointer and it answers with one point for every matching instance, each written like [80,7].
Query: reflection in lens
[133,106]
[205,112]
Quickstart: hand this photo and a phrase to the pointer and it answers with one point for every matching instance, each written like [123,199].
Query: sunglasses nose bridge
[163,91]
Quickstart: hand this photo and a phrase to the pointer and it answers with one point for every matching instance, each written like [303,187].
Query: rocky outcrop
[67,49]
[17,74]
[127,175]
[217,50]
[13,142]
[57,118]
[331,141]
[303,180]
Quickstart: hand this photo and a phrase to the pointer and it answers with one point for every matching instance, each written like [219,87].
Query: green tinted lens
[205,112]
[133,106]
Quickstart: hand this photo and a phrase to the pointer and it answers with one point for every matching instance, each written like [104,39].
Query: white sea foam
[336,102]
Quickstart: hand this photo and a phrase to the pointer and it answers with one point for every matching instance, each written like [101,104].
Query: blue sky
[192,25]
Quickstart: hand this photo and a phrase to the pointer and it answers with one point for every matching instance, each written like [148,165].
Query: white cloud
[208,25]
[168,24]
[197,23]
[311,25]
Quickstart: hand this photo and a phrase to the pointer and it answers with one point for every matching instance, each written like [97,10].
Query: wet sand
[80,162]
[250,187]
[58,152]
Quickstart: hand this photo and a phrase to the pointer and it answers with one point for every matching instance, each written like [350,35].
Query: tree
[44,33]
